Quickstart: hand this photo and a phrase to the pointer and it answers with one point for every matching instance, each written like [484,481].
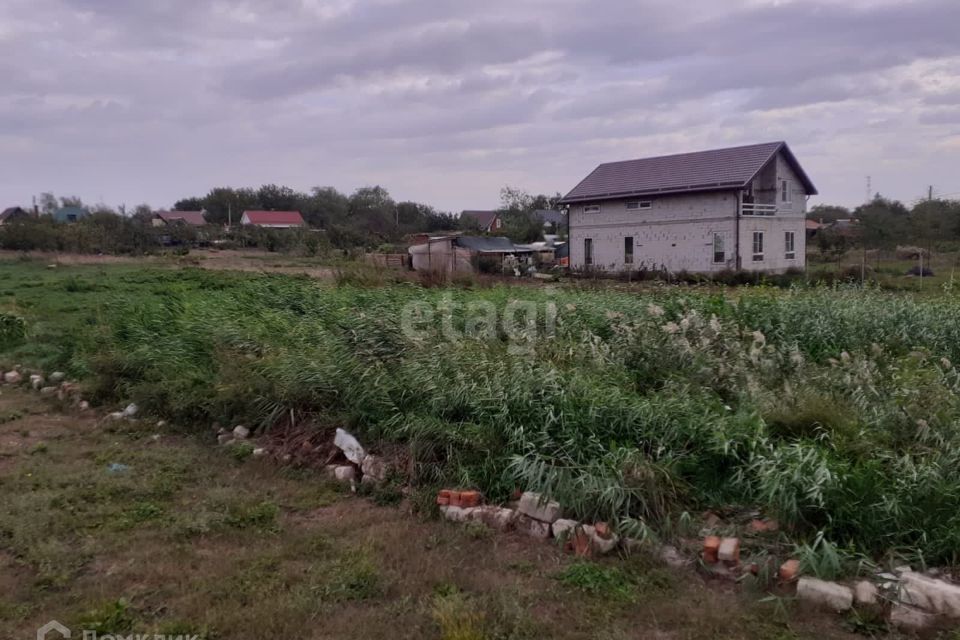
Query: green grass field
[834,410]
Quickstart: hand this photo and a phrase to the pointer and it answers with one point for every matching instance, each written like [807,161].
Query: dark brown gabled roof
[194,218]
[482,218]
[714,170]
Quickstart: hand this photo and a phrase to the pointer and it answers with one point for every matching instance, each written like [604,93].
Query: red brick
[603,530]
[789,570]
[443,500]
[454,499]
[711,548]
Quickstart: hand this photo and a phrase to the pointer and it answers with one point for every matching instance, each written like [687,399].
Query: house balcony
[754,209]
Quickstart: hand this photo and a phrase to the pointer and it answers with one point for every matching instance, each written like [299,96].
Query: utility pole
[930,193]
[869,190]
[229,215]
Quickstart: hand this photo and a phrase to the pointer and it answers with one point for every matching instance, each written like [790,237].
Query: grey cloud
[169,97]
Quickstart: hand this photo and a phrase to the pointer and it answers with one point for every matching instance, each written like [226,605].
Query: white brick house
[737,208]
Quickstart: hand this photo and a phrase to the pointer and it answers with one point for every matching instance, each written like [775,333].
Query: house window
[785,191]
[633,205]
[628,250]
[588,251]
[788,245]
[758,246]
[591,208]
[719,256]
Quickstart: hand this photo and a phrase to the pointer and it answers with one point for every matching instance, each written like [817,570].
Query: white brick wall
[677,232]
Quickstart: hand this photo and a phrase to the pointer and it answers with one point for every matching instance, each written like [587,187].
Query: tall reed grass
[837,410]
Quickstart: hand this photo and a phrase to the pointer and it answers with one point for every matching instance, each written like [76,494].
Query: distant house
[552,220]
[813,228]
[736,208]
[191,218]
[273,219]
[453,253]
[486,221]
[70,214]
[11,214]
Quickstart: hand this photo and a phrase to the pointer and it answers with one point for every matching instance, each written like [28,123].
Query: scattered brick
[454,499]
[603,530]
[711,548]
[789,570]
[443,500]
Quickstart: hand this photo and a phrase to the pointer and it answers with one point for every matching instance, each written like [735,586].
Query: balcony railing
[753,209]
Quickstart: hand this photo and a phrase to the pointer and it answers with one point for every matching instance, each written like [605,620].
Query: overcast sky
[446,101]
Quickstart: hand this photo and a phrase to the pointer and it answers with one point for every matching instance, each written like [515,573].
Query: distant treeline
[883,224]
[367,219]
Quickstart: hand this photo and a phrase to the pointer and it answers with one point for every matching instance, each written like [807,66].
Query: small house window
[785,191]
[719,256]
[591,208]
[788,245]
[758,246]
[633,205]
[588,251]
[628,250]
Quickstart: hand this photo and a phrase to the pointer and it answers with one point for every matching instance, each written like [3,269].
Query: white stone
[458,514]
[224,438]
[599,544]
[57,377]
[161,424]
[495,517]
[48,391]
[36,380]
[532,527]
[830,594]
[116,415]
[904,617]
[563,528]
[12,377]
[350,446]
[240,432]
[84,405]
[533,505]
[931,594]
[865,593]
[130,410]
[259,452]
[345,473]
[729,550]
[374,467]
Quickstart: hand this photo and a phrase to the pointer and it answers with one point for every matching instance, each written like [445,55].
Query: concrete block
[729,551]
[457,514]
[829,594]
[936,596]
[533,505]
[865,593]
[495,517]
[533,527]
[909,618]
[345,473]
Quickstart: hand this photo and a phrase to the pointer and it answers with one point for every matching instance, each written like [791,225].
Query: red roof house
[273,219]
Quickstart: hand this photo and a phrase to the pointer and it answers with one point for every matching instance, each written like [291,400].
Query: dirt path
[123,528]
